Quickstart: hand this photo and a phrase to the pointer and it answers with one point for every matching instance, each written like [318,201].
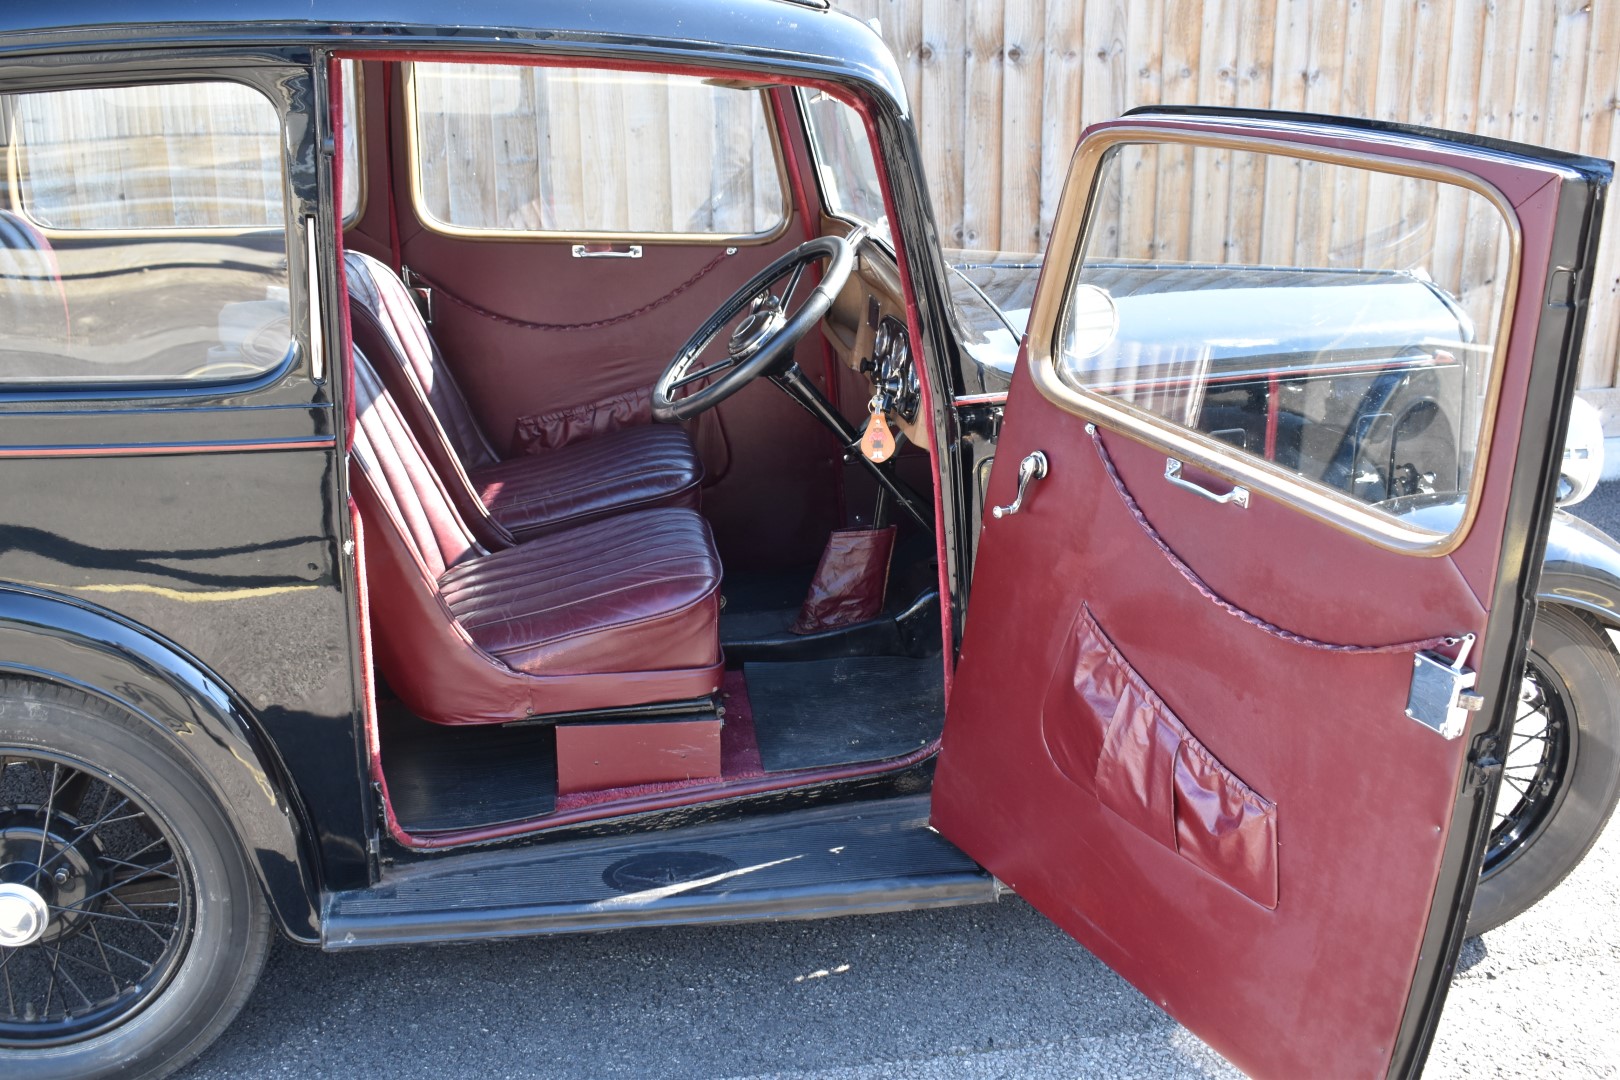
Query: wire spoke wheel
[96,904]
[1534,768]
[1560,766]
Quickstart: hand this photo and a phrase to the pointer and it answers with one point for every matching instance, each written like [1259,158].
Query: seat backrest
[403,481]
[33,304]
[389,329]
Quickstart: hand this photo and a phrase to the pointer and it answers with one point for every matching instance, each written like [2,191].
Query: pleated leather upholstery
[409,488]
[622,611]
[647,466]
[388,328]
[519,497]
[635,591]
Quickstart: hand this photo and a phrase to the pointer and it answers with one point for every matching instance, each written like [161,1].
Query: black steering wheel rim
[775,334]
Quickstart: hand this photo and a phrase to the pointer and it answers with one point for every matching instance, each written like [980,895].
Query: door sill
[847,859]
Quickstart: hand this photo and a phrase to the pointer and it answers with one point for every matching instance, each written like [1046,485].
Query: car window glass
[142,236]
[844,163]
[353,167]
[1337,322]
[579,151]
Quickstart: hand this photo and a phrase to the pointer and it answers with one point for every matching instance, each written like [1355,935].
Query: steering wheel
[762,341]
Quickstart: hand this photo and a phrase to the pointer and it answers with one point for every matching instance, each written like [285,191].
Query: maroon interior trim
[368,687]
[662,800]
[925,385]
[334,75]
[601,757]
[322,442]
[396,258]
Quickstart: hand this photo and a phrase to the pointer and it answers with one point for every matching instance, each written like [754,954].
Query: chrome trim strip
[1331,507]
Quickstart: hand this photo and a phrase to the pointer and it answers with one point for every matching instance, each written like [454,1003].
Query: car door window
[1330,322]
[506,149]
[143,237]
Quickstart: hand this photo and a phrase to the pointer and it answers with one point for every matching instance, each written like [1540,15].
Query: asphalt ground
[990,991]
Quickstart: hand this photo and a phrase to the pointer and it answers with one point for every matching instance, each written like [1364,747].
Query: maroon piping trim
[1221,602]
[595,324]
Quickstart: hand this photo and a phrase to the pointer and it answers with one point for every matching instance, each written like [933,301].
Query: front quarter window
[844,163]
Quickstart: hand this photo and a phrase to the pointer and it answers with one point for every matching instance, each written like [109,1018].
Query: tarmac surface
[990,991]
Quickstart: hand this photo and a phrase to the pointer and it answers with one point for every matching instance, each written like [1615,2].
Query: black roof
[779,35]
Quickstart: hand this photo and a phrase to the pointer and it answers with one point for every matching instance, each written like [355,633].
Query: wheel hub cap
[24,916]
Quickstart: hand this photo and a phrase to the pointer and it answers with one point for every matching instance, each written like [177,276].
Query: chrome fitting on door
[1033,467]
[1238,496]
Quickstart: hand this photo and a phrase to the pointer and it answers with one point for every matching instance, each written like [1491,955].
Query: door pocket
[1112,736]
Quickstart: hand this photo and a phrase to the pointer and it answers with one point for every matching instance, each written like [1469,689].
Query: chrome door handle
[606,251]
[1033,467]
[1238,496]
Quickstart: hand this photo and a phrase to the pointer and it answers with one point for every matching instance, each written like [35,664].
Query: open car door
[1248,620]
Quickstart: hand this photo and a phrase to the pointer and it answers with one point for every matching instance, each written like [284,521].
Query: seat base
[633,468]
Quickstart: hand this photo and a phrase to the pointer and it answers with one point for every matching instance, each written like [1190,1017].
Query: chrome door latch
[1442,693]
[1032,468]
[420,292]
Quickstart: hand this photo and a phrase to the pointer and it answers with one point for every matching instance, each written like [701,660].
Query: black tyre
[135,927]
[1561,775]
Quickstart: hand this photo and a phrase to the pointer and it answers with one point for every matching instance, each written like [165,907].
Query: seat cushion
[634,592]
[629,469]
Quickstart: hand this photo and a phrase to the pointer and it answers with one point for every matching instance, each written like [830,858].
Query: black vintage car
[486,469]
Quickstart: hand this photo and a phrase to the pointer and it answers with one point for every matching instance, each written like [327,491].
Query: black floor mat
[761,605]
[829,712]
[448,778]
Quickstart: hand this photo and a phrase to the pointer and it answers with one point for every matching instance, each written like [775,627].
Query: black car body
[183,546]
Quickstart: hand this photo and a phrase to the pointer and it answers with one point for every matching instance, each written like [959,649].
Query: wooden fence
[1002,89]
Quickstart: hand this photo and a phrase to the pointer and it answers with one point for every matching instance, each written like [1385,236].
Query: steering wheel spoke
[699,376]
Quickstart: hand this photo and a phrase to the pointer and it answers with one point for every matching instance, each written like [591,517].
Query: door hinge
[979,422]
[1481,772]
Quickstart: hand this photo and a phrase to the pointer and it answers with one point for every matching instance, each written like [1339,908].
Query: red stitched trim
[1227,606]
[595,324]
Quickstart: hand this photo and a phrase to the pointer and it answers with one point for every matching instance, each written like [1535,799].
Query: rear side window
[143,236]
[575,151]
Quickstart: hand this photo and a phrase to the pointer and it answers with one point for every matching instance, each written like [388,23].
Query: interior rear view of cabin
[577,608]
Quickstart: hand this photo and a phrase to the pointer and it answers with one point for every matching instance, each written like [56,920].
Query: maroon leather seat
[631,468]
[619,611]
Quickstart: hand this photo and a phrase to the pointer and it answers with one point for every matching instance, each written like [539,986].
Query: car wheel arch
[57,639]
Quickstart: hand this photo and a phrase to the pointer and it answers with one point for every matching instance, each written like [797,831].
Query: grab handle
[1238,496]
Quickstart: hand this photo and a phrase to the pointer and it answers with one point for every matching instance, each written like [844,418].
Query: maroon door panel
[1244,824]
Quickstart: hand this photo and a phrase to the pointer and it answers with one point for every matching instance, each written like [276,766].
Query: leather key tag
[877,442]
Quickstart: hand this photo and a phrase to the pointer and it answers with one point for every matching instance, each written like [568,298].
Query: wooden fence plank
[1143,65]
[981,187]
[1022,90]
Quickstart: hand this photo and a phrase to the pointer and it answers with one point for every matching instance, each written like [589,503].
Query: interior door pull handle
[1238,496]
[1033,467]
[607,251]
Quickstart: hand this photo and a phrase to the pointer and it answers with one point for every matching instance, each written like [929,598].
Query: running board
[848,859]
